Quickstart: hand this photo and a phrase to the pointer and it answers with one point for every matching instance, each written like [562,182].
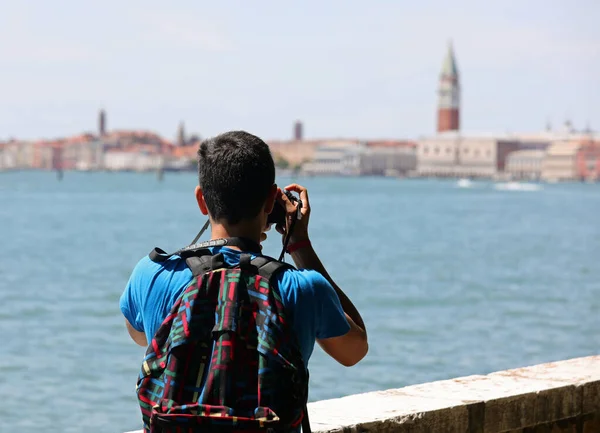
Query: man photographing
[222,321]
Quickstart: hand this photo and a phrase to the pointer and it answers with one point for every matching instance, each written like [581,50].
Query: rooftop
[449,68]
[543,136]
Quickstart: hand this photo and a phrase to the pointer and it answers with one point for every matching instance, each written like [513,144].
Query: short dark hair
[236,172]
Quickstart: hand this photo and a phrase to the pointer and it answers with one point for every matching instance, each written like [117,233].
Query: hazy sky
[346,68]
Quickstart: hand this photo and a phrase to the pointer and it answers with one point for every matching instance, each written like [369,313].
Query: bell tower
[448,118]
[181,135]
[102,123]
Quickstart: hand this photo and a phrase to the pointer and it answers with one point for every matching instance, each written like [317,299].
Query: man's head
[236,178]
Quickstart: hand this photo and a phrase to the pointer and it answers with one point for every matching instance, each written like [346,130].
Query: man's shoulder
[173,271]
[301,283]
[172,264]
[314,303]
[303,277]
[151,291]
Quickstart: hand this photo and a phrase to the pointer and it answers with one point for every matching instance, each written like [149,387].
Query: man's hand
[300,231]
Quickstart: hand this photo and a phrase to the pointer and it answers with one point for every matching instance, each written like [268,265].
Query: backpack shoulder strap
[201,264]
[268,266]
[159,255]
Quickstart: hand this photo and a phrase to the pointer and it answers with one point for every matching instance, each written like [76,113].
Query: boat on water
[464,183]
[517,186]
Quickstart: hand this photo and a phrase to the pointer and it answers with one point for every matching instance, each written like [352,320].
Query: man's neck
[241,230]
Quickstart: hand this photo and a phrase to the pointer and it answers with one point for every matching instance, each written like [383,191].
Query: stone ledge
[504,401]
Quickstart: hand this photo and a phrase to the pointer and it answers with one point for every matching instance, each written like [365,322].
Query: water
[451,281]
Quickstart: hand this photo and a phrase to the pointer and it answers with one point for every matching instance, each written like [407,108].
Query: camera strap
[246,245]
[201,232]
[288,235]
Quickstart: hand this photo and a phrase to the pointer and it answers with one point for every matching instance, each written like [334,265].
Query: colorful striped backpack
[226,358]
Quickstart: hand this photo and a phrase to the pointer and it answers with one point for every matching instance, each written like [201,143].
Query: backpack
[226,358]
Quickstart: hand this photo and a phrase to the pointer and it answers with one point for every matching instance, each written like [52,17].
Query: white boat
[464,183]
[517,186]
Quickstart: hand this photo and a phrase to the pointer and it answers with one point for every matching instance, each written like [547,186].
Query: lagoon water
[452,279]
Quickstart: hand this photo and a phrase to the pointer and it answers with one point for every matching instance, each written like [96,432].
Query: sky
[345,68]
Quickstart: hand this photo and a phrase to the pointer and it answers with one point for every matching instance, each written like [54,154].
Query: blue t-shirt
[153,288]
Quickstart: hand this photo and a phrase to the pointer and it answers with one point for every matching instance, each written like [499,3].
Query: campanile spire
[449,94]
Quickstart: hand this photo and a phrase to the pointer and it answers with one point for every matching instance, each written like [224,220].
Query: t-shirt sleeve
[131,302]
[331,320]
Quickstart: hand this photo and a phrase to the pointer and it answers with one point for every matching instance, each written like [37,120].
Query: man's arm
[137,336]
[351,347]
[347,349]
[129,305]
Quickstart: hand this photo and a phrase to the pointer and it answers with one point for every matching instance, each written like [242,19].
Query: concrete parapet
[548,398]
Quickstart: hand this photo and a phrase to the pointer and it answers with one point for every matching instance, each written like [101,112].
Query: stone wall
[548,398]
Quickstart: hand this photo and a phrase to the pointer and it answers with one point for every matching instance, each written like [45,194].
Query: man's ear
[200,200]
[271,199]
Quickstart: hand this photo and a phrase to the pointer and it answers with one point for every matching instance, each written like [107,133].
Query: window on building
[437,150]
[466,150]
[425,149]
[476,152]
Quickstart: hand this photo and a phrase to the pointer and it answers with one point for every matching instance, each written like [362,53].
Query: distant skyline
[344,68]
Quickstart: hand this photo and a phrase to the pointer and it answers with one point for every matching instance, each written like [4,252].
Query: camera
[277,216]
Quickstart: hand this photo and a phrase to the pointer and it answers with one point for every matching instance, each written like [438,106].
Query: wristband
[297,245]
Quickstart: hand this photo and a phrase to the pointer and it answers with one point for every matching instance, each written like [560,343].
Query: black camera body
[277,216]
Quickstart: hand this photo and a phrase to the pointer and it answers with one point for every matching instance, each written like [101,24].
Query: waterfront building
[43,155]
[7,157]
[4,157]
[25,153]
[81,152]
[124,139]
[452,155]
[183,157]
[297,153]
[88,156]
[356,158]
[560,161]
[16,155]
[388,158]
[133,160]
[335,158]
[525,164]
[587,161]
